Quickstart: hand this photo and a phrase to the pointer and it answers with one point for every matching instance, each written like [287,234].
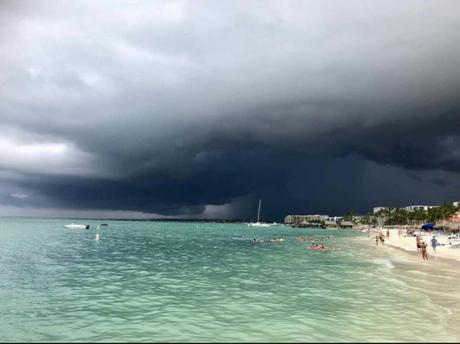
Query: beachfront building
[334,218]
[455,218]
[419,207]
[305,219]
[316,217]
[293,219]
[346,224]
[327,221]
[332,221]
[330,224]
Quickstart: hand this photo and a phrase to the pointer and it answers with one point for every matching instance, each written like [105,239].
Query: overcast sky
[200,108]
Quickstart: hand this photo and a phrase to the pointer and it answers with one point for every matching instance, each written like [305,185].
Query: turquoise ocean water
[177,281]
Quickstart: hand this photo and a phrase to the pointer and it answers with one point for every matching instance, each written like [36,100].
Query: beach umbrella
[428,226]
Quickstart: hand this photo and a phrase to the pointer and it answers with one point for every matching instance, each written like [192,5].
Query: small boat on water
[77,226]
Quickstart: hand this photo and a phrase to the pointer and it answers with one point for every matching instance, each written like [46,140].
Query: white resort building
[419,207]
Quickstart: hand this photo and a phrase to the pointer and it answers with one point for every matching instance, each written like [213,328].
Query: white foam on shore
[384,262]
[417,272]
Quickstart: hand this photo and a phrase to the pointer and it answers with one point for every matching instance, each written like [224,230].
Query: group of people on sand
[421,245]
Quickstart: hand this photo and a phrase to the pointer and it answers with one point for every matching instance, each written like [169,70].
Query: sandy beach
[407,243]
[436,278]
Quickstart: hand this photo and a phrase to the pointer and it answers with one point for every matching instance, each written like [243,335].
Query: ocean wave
[383,262]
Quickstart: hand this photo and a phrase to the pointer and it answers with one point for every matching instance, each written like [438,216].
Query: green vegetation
[366,219]
[349,216]
[396,216]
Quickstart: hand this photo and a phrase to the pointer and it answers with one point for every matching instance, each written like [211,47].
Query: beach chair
[454,242]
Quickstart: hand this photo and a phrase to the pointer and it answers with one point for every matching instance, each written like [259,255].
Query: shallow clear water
[164,281]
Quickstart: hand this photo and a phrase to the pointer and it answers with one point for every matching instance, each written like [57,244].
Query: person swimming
[321,247]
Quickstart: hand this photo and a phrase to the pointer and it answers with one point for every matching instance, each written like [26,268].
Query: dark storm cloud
[420,143]
[217,178]
[170,107]
[439,182]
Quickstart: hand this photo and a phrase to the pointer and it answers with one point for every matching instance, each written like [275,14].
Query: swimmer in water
[323,248]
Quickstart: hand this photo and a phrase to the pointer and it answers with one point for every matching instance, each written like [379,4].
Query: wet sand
[408,244]
[438,278]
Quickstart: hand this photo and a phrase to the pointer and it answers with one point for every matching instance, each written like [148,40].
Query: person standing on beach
[388,233]
[382,238]
[376,240]
[434,243]
[417,241]
[423,249]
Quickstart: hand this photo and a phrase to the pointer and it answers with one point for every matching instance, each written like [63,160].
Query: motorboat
[76,226]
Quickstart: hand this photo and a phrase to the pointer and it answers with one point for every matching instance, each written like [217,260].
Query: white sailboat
[258,223]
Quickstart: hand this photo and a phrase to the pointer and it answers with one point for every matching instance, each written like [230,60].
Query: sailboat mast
[258,212]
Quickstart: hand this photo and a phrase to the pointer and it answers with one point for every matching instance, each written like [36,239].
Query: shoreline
[415,254]
[407,245]
[435,279]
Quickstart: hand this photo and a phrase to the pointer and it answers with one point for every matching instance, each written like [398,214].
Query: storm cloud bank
[199,108]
